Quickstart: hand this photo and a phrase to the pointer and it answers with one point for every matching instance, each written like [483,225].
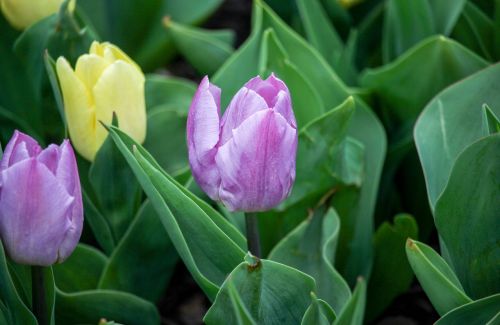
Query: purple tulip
[247,158]
[41,212]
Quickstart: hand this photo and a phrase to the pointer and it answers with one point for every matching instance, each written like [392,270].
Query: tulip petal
[245,103]
[203,136]
[257,166]
[79,110]
[88,69]
[19,148]
[120,89]
[34,208]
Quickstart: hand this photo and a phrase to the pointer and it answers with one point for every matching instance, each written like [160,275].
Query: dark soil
[184,303]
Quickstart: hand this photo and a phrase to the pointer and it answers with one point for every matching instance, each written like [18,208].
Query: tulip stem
[38,295]
[253,240]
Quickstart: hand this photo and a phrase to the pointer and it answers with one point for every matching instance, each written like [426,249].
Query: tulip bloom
[104,81]
[23,13]
[247,158]
[41,212]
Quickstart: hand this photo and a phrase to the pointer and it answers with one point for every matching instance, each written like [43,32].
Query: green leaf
[161,91]
[467,217]
[443,57]
[203,49]
[391,275]
[259,282]
[479,312]
[319,31]
[50,68]
[241,312]
[446,14]
[319,144]
[144,259]
[310,248]
[171,155]
[190,222]
[491,122]
[98,224]
[318,313]
[452,121]
[89,307]
[117,191]
[353,311]
[307,105]
[12,307]
[436,278]
[405,24]
[81,271]
[475,30]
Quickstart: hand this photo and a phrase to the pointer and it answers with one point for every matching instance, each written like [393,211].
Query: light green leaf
[175,93]
[485,311]
[310,248]
[318,313]
[452,121]
[446,14]
[190,222]
[353,311]
[491,122]
[259,283]
[467,217]
[436,278]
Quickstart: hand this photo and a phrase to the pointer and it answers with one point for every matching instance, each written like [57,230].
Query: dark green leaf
[484,311]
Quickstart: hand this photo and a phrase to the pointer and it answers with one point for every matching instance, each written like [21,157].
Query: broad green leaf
[353,311]
[307,104]
[475,30]
[241,312]
[452,121]
[318,313]
[158,47]
[310,248]
[161,91]
[205,50]
[172,155]
[98,224]
[446,62]
[81,271]
[319,144]
[12,307]
[446,14]
[483,311]
[391,275]
[89,307]
[467,217]
[405,24]
[259,283]
[491,122]
[319,31]
[436,278]
[119,198]
[190,222]
[143,260]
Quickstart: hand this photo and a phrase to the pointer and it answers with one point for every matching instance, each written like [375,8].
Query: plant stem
[38,295]
[252,233]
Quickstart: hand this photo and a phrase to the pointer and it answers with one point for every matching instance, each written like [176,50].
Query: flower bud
[104,81]
[41,212]
[23,13]
[247,158]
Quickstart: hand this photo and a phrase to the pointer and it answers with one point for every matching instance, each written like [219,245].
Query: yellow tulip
[23,13]
[104,81]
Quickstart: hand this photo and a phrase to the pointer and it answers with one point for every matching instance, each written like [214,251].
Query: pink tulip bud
[247,158]
[41,212]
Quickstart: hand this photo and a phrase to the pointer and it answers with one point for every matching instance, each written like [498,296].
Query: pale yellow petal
[78,109]
[121,89]
[114,53]
[89,68]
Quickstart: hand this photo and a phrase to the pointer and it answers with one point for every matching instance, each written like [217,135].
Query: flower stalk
[39,306]
[253,240]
